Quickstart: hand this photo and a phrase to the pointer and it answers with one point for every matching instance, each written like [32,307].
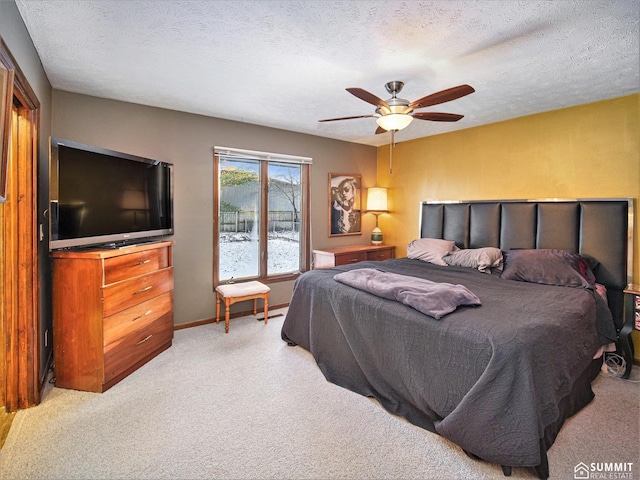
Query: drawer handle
[144,339]
[142,262]
[143,315]
[353,260]
[145,289]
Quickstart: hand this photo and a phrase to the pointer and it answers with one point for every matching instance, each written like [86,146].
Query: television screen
[108,198]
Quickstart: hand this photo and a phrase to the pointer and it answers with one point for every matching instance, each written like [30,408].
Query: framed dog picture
[344,204]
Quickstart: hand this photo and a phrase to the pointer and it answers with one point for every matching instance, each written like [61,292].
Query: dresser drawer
[119,356]
[138,317]
[349,258]
[380,255]
[125,294]
[134,264]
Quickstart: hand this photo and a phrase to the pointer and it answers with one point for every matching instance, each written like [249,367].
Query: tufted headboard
[600,228]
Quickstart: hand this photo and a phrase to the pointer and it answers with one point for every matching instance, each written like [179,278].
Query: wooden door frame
[20,385]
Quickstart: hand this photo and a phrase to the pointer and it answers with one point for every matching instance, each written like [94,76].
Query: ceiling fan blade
[437,117]
[367,97]
[345,118]
[380,130]
[443,96]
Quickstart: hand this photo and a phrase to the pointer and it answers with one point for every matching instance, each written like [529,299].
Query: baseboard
[5,425]
[46,375]
[233,315]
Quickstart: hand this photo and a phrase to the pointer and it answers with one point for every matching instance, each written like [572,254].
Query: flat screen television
[105,198]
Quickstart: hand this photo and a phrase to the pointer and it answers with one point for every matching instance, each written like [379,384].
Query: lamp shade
[394,121]
[377,199]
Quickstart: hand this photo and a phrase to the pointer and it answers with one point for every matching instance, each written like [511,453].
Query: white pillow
[431,249]
[484,259]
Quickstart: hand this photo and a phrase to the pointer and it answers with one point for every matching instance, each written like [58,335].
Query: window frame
[305,215]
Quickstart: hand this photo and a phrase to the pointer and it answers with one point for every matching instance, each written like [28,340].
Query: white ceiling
[286,64]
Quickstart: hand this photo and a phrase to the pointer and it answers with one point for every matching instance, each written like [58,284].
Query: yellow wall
[587,151]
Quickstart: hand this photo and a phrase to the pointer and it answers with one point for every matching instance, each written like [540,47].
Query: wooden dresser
[112,312]
[351,254]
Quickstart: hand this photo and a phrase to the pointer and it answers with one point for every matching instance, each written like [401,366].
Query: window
[261,224]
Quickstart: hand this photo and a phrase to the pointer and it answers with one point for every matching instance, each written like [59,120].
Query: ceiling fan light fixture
[394,121]
[397,113]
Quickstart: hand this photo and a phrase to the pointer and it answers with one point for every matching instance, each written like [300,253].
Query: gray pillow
[484,259]
[546,266]
[431,249]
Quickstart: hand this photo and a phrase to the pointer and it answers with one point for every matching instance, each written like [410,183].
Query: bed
[498,378]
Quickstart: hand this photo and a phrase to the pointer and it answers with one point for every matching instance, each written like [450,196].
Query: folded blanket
[431,298]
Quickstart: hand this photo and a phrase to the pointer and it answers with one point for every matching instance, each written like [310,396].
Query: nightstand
[631,322]
[333,257]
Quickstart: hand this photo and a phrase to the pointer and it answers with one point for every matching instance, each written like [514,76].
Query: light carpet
[246,406]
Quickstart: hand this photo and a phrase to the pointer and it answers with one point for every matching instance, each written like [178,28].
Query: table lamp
[377,204]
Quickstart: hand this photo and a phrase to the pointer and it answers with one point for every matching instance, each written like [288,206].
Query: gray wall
[187,141]
[17,39]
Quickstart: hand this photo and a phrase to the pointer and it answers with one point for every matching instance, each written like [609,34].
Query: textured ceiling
[286,64]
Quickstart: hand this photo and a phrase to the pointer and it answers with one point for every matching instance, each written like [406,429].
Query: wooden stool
[237,292]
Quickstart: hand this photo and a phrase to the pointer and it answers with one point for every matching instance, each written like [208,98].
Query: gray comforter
[497,379]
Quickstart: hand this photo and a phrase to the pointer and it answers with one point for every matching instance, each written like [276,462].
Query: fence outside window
[243,221]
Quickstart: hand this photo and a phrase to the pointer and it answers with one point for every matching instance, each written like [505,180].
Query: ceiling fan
[397,113]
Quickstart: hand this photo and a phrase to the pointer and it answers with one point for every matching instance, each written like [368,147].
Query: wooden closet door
[19,295]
